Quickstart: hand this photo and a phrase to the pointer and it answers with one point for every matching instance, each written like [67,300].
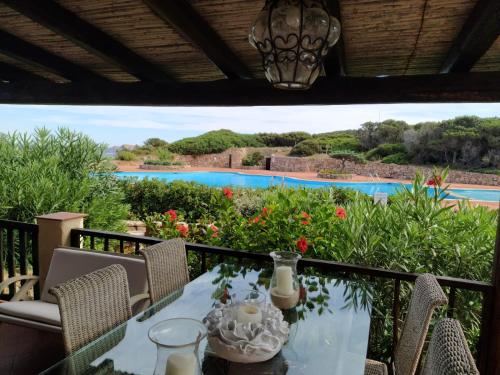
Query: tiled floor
[25,351]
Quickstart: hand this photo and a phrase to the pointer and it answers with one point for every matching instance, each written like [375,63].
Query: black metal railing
[18,252]
[124,243]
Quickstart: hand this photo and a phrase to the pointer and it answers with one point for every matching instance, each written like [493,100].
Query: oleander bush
[63,171]
[415,232]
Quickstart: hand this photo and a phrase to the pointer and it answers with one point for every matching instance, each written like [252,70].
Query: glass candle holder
[252,308]
[177,342]
[285,286]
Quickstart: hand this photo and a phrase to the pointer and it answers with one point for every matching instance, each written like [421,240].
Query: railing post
[493,359]
[54,230]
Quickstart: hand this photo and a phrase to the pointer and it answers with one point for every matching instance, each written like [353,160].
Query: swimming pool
[221,179]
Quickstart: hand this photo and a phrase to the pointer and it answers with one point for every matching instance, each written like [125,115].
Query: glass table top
[328,332]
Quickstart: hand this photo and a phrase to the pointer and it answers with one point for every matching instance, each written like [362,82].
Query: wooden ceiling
[142,52]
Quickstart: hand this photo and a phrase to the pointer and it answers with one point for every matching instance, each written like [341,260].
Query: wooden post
[54,230]
[494,331]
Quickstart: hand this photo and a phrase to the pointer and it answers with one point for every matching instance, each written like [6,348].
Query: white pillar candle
[249,314]
[284,280]
[181,364]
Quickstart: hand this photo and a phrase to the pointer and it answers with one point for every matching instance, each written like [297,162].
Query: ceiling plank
[335,61]
[479,32]
[13,73]
[21,50]
[471,87]
[60,20]
[181,15]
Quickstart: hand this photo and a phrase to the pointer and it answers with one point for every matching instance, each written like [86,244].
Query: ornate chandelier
[293,37]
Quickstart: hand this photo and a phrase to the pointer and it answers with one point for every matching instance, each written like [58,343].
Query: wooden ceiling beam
[67,24]
[21,50]
[471,87]
[335,61]
[13,73]
[183,18]
[478,34]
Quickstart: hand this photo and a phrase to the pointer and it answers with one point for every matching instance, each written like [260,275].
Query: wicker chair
[448,352]
[426,296]
[166,268]
[92,304]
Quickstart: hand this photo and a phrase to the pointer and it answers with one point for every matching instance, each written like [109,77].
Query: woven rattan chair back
[448,352]
[426,296]
[166,268]
[92,304]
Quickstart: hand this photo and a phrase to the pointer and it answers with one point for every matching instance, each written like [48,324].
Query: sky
[133,125]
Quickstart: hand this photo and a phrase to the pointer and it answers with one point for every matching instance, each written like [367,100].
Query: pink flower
[340,213]
[183,229]
[172,215]
[215,230]
[302,244]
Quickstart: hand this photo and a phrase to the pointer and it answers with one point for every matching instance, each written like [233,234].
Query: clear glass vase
[177,342]
[285,286]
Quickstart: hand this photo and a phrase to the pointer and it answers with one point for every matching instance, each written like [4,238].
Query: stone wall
[221,160]
[403,172]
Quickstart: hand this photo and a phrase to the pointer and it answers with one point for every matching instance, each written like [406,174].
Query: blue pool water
[221,179]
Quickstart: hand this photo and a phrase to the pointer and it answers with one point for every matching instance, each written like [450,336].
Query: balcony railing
[123,243]
[18,252]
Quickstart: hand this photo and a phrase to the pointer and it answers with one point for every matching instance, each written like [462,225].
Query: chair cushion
[39,311]
[68,264]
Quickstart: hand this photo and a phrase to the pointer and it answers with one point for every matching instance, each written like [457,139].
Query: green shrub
[126,155]
[326,145]
[155,142]
[152,195]
[161,162]
[399,158]
[65,171]
[164,154]
[253,159]
[213,142]
[385,149]
[283,139]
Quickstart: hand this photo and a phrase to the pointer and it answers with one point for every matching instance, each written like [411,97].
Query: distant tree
[282,140]
[347,155]
[373,134]
[155,142]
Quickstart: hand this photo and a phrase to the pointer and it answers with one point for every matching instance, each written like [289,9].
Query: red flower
[302,244]
[228,193]
[436,181]
[266,211]
[172,215]
[183,229]
[305,215]
[256,219]
[304,222]
[340,213]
